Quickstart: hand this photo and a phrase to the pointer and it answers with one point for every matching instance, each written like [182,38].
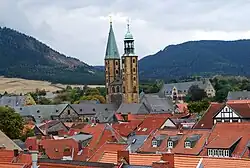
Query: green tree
[11,123]
[43,100]
[92,91]
[198,107]
[196,94]
[27,133]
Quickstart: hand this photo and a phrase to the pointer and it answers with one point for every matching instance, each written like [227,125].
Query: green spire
[128,35]
[111,50]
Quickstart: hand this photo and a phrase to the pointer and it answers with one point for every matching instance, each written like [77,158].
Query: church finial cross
[110,19]
[128,24]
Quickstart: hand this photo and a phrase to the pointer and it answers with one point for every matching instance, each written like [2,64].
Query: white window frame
[187,144]
[154,143]
[226,153]
[170,144]
[210,152]
[220,153]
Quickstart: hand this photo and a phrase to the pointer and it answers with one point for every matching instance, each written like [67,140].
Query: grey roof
[89,108]
[174,138]
[41,112]
[80,137]
[138,142]
[160,137]
[133,108]
[238,95]
[12,101]
[156,103]
[7,142]
[20,143]
[104,117]
[184,86]
[193,138]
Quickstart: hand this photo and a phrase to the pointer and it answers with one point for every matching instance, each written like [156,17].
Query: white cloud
[79,28]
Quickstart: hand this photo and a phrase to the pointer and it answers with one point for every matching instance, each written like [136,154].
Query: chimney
[34,156]
[160,164]
[168,157]
[123,157]
[16,152]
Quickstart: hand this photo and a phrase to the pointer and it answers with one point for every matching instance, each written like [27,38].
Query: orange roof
[107,147]
[56,165]
[149,125]
[124,129]
[55,148]
[101,133]
[180,161]
[134,159]
[206,122]
[12,165]
[183,107]
[220,138]
[179,148]
[7,156]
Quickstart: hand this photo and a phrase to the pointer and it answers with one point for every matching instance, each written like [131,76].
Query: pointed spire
[112,49]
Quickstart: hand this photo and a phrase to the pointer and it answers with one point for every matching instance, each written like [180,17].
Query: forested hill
[25,57]
[205,58]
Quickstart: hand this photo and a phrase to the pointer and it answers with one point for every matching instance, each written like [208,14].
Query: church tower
[112,70]
[130,81]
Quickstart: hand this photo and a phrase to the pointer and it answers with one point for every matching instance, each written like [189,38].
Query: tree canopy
[11,123]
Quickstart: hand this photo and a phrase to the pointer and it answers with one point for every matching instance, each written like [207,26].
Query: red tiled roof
[180,161]
[31,143]
[183,107]
[107,147]
[149,125]
[124,129]
[179,148]
[101,133]
[221,137]
[134,159]
[8,156]
[206,122]
[56,165]
[13,165]
[55,148]
[243,109]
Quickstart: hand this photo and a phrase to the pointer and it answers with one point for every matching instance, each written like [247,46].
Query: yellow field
[17,85]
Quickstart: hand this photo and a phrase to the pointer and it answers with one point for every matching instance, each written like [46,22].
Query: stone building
[122,82]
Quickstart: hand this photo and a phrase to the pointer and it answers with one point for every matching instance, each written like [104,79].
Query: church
[121,73]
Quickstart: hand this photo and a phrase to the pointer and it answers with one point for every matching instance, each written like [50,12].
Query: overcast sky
[79,28]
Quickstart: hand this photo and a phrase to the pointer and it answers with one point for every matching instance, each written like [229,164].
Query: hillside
[22,56]
[205,58]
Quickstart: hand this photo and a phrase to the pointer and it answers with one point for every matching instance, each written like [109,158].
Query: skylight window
[170,144]
[187,144]
[139,129]
[144,129]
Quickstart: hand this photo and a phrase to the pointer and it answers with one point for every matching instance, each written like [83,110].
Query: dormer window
[57,110]
[93,109]
[187,144]
[38,111]
[80,109]
[106,109]
[170,144]
[154,143]
[21,108]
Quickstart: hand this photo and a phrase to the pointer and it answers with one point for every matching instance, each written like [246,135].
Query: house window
[113,89]
[220,153]
[116,71]
[215,152]
[210,152]
[68,112]
[93,109]
[80,109]
[154,143]
[38,111]
[170,144]
[134,89]
[116,63]
[133,60]
[187,144]
[117,89]
[226,153]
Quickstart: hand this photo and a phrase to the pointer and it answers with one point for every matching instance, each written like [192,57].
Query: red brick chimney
[168,157]
[123,157]
[160,164]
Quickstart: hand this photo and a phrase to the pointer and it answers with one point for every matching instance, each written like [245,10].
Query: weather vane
[128,23]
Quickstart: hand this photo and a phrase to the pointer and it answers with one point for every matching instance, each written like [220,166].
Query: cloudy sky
[79,28]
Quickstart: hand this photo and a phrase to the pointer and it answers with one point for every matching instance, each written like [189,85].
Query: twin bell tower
[121,74]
